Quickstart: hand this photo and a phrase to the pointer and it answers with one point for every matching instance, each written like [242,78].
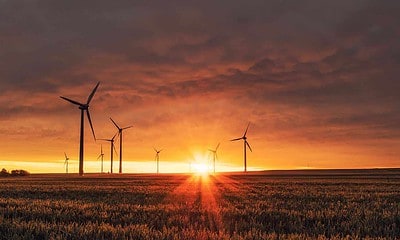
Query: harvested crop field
[261,205]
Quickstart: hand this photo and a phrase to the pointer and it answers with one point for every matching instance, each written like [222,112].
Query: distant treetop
[5,173]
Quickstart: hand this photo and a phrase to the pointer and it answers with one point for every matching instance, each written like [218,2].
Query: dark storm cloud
[350,82]
[46,39]
[325,56]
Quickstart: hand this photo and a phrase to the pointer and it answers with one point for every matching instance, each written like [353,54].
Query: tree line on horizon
[21,172]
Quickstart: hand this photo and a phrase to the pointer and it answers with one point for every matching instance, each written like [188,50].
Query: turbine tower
[120,142]
[66,163]
[157,158]
[214,154]
[101,156]
[245,145]
[83,107]
[111,149]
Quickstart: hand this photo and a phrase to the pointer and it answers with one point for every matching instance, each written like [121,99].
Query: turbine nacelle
[157,151]
[84,107]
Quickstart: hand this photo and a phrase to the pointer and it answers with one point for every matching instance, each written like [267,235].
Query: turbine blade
[115,150]
[160,150]
[236,139]
[98,157]
[155,149]
[247,143]
[117,137]
[244,135]
[90,122]
[217,147]
[126,127]
[65,156]
[92,94]
[71,101]
[115,123]
[103,139]
[114,136]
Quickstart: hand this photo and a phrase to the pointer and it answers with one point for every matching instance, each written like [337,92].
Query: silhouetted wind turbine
[111,149]
[66,163]
[214,154]
[101,156]
[246,144]
[157,158]
[83,107]
[120,142]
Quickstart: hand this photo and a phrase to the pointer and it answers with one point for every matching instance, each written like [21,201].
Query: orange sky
[318,83]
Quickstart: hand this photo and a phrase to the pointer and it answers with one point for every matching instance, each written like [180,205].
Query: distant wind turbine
[111,149]
[83,107]
[120,142]
[101,156]
[214,154]
[246,144]
[157,158]
[66,163]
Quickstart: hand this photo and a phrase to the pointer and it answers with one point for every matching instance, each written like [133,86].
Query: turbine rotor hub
[84,107]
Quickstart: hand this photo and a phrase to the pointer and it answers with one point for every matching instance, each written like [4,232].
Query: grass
[264,205]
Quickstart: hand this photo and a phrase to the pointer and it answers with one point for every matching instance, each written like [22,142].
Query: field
[351,204]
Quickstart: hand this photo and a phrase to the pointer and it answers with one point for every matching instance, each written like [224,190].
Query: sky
[317,80]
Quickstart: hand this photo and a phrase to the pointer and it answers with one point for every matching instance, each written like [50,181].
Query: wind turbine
[111,149]
[245,145]
[157,158]
[120,142]
[101,156]
[83,107]
[66,163]
[214,154]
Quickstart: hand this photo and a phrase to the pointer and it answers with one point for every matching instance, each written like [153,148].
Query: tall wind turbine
[111,149]
[157,158]
[120,142]
[101,156]
[83,107]
[66,163]
[214,154]
[245,145]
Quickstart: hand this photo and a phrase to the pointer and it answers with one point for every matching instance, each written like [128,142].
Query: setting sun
[200,168]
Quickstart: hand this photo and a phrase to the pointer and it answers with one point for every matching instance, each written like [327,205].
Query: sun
[199,164]
[200,168]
